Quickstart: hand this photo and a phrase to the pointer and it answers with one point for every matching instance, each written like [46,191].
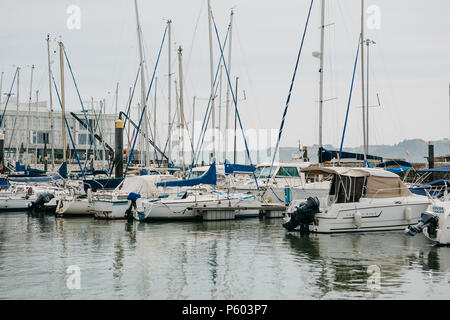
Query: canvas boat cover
[144,185]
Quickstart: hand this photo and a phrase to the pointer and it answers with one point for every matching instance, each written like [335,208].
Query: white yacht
[359,199]
[275,181]
[110,204]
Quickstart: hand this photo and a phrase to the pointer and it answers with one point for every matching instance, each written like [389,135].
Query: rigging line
[9,95]
[170,128]
[234,97]
[134,142]
[203,129]
[153,77]
[290,89]
[82,106]
[193,40]
[132,95]
[68,128]
[349,100]
[209,117]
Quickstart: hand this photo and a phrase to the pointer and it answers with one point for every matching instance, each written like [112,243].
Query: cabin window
[288,172]
[347,189]
[264,172]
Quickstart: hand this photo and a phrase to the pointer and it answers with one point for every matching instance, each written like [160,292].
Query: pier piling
[118,157]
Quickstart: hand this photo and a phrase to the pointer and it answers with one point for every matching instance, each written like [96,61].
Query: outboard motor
[41,200]
[427,220]
[133,198]
[304,215]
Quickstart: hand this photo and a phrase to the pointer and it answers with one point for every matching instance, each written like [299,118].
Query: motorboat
[434,222]
[359,199]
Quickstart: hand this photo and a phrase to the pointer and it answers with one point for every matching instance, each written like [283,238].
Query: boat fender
[357,219]
[30,191]
[408,214]
[89,195]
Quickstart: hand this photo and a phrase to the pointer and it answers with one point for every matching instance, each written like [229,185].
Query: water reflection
[241,259]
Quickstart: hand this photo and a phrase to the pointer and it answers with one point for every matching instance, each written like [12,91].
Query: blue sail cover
[230,168]
[209,177]
[440,169]
[394,163]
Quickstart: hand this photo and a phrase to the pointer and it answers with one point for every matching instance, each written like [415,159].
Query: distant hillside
[414,150]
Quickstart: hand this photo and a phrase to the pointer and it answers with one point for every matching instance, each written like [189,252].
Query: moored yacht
[359,199]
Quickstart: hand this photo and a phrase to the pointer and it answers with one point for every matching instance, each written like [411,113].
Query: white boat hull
[362,217]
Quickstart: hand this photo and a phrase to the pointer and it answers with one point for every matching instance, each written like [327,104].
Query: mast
[51,102]
[368,43]
[63,104]
[169,50]
[180,70]
[17,113]
[322,45]
[211,65]
[193,126]
[227,108]
[363,84]
[35,147]
[220,109]
[29,114]
[235,119]
[143,102]
[154,122]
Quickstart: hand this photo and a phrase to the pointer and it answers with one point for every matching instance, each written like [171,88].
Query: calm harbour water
[243,259]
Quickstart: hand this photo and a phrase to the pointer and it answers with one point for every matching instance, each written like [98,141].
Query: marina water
[238,259]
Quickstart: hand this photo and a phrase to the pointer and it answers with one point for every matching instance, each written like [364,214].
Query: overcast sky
[409,64]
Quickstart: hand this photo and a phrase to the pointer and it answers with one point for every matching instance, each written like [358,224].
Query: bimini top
[351,171]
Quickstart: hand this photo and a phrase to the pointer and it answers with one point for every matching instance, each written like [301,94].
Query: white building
[27,125]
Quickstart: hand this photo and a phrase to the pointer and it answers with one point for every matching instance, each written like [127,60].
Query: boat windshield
[196,174]
[264,172]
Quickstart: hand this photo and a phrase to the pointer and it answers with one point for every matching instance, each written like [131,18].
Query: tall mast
[227,108]
[368,43]
[220,110]
[143,103]
[51,102]
[193,126]
[235,118]
[169,51]
[211,65]
[322,45]
[29,114]
[17,112]
[154,123]
[63,104]
[180,70]
[35,147]
[363,84]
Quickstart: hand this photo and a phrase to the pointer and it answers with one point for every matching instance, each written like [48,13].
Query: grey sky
[410,65]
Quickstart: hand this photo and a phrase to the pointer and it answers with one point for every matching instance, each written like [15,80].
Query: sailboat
[189,202]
